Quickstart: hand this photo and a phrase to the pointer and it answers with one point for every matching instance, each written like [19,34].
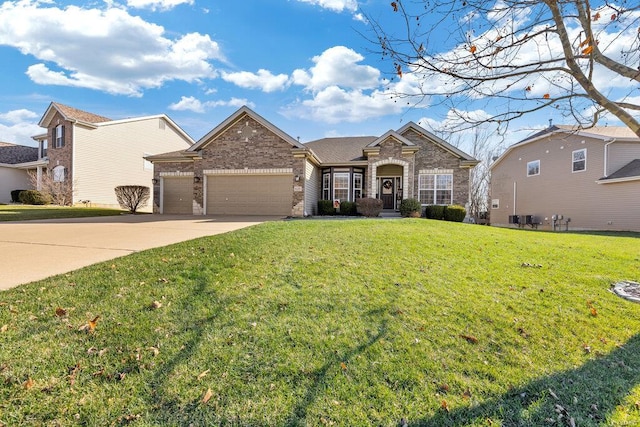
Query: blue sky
[304,65]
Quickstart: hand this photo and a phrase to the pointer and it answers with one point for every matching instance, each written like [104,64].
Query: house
[569,178]
[15,160]
[248,166]
[95,154]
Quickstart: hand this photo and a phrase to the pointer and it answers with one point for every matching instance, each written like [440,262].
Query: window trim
[574,161]
[529,168]
[59,136]
[433,197]
[348,188]
[357,188]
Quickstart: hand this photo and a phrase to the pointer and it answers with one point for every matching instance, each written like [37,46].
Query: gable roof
[71,114]
[438,141]
[629,172]
[391,134]
[232,119]
[13,154]
[602,133]
[340,150]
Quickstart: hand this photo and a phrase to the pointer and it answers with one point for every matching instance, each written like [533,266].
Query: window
[341,186]
[58,174]
[43,148]
[434,189]
[326,186]
[579,160]
[495,203]
[357,185]
[533,168]
[59,142]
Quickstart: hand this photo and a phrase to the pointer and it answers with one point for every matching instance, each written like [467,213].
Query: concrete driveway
[34,250]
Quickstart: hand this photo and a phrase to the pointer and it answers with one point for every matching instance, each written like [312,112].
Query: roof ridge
[77,114]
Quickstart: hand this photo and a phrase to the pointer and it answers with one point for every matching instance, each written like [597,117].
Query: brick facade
[62,156]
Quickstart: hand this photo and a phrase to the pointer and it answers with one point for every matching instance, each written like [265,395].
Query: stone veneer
[62,156]
[244,145]
[431,156]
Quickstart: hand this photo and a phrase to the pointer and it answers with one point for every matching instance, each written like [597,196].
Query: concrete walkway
[34,250]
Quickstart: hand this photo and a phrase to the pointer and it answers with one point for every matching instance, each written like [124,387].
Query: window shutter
[53,138]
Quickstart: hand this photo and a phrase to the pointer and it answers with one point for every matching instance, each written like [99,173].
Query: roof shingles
[13,154]
[74,114]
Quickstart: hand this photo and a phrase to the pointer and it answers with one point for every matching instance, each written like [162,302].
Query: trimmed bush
[410,208]
[348,208]
[34,197]
[369,206]
[132,197]
[434,211]
[15,195]
[455,213]
[325,207]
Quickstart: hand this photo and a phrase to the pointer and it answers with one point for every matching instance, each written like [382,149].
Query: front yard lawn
[29,212]
[359,322]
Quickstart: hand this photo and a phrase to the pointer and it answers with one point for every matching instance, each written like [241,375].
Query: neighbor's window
[326,186]
[495,203]
[341,186]
[533,168]
[58,174]
[357,185]
[43,148]
[434,189]
[579,162]
[59,136]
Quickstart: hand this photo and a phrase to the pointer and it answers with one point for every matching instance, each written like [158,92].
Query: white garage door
[177,196]
[249,194]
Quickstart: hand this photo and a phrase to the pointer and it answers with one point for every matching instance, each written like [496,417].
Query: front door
[387,193]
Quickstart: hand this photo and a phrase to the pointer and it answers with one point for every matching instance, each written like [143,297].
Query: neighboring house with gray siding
[590,176]
[248,166]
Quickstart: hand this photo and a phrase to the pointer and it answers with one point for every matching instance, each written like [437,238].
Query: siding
[112,155]
[312,189]
[12,179]
[558,190]
[621,153]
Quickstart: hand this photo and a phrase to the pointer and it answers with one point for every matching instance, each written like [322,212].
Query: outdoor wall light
[155,181]
[196,179]
[297,178]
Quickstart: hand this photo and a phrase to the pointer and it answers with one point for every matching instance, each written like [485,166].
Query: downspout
[606,155]
[515,193]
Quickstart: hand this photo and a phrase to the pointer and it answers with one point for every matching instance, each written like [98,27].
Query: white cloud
[18,126]
[334,5]
[190,103]
[339,66]
[108,50]
[263,80]
[157,4]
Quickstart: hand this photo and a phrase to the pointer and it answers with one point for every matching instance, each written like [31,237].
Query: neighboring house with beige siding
[248,166]
[96,154]
[580,179]
[15,163]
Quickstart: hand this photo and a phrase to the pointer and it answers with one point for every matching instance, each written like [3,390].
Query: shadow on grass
[588,394]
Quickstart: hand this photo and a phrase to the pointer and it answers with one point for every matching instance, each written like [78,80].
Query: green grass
[28,212]
[360,322]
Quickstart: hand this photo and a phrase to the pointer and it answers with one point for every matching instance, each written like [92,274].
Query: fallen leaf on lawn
[467,394]
[61,312]
[28,383]
[93,323]
[4,328]
[343,366]
[165,260]
[594,312]
[443,388]
[72,374]
[444,405]
[207,396]
[32,317]
[156,305]
[587,348]
[470,338]
[552,394]
[203,374]
[154,350]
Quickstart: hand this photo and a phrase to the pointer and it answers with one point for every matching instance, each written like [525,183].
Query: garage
[177,195]
[249,194]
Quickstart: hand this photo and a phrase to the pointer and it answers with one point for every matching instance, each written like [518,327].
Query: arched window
[58,174]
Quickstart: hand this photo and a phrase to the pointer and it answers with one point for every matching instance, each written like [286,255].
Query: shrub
[410,208]
[325,207]
[132,197]
[348,208]
[455,213]
[34,197]
[15,195]
[369,206]
[434,211]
